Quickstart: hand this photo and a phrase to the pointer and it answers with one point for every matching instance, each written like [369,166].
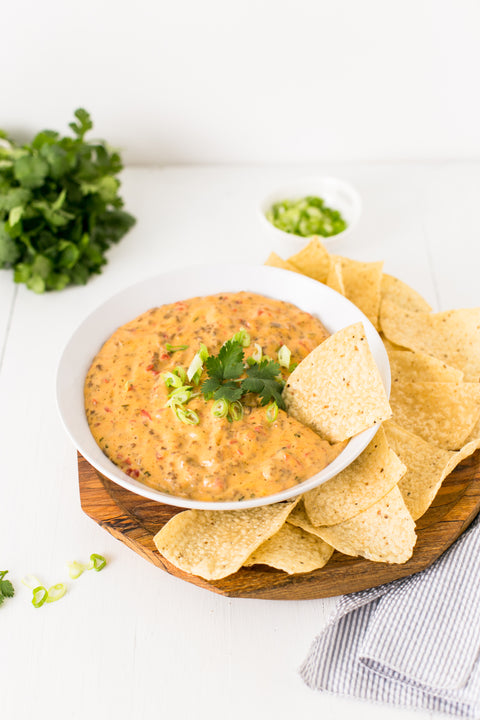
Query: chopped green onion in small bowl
[306,217]
[326,207]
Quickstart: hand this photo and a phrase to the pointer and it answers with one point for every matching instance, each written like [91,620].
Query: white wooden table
[132,641]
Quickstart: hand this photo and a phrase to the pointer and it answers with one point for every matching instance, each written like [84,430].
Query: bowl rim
[287,190]
[86,340]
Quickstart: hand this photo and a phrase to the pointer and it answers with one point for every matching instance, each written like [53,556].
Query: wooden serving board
[135,520]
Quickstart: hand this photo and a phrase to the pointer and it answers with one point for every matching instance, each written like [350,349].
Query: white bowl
[337,194]
[334,311]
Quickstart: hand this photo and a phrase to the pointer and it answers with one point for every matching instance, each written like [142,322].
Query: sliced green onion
[235,411]
[189,417]
[98,561]
[182,373]
[75,569]
[56,592]
[272,412]
[258,353]
[195,367]
[174,348]
[40,595]
[171,379]
[284,355]
[242,337]
[179,396]
[31,581]
[220,408]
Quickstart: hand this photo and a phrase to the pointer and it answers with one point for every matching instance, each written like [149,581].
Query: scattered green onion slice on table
[31,581]
[75,569]
[98,561]
[56,592]
[40,595]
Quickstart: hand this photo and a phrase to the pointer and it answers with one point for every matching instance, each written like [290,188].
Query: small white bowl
[334,311]
[336,193]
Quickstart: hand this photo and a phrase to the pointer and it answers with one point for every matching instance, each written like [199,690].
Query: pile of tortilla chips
[431,424]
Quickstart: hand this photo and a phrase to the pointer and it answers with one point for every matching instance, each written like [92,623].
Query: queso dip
[213,460]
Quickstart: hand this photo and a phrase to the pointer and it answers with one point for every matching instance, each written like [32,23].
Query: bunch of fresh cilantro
[59,207]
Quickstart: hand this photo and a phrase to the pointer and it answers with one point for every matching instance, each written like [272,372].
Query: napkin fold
[414,643]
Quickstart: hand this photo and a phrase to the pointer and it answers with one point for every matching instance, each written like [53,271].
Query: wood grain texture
[135,520]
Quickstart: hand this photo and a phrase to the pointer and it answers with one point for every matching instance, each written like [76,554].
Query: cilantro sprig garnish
[262,378]
[60,208]
[6,587]
[230,379]
[224,371]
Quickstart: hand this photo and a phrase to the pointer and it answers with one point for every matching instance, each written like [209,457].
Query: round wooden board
[135,520]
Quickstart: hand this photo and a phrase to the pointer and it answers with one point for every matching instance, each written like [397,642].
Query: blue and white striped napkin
[413,643]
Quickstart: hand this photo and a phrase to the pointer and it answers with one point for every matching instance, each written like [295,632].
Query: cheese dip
[213,460]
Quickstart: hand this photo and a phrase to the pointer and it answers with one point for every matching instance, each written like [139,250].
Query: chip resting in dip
[188,397]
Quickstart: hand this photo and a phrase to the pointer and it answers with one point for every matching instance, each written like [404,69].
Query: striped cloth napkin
[413,643]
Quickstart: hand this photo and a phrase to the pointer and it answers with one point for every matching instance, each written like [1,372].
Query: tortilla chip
[475,432]
[442,413]
[276,261]
[337,389]
[299,518]
[216,543]
[369,478]
[389,345]
[383,533]
[335,277]
[409,366]
[361,281]
[453,336]
[428,466]
[313,260]
[292,550]
[402,294]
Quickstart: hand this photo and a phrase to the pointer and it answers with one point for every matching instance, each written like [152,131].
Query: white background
[256,81]
[384,94]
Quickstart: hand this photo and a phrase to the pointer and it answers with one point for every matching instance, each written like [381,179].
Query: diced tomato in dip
[214,460]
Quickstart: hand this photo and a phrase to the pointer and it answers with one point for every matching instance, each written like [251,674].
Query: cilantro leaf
[84,123]
[262,379]
[9,252]
[222,370]
[30,171]
[229,391]
[229,361]
[6,587]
